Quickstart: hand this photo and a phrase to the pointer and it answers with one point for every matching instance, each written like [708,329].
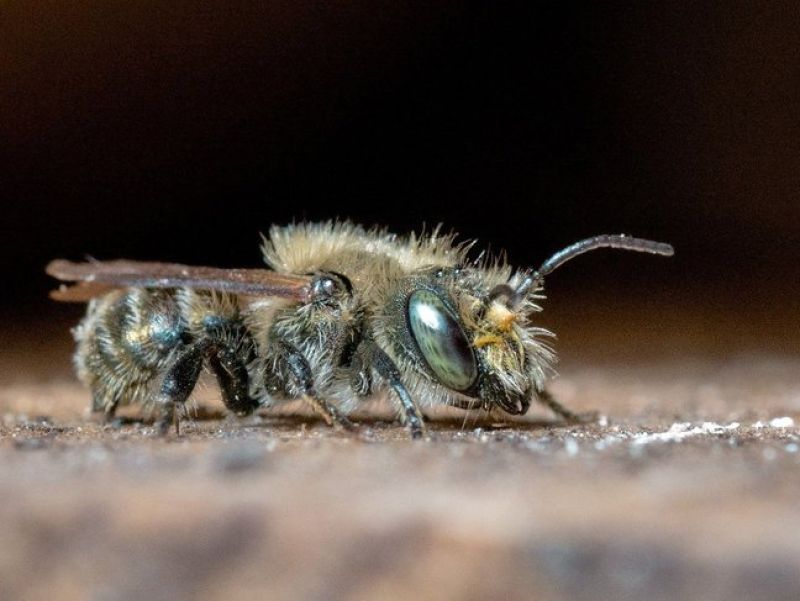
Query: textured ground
[687,487]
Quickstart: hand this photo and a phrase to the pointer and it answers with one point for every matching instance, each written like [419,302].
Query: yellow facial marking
[501,317]
[487,339]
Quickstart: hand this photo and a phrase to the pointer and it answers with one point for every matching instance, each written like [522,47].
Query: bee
[342,313]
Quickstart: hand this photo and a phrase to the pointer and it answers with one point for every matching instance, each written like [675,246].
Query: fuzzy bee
[343,312]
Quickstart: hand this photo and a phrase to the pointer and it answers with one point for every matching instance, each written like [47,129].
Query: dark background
[179,131]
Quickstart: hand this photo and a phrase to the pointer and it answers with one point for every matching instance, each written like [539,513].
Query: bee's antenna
[622,241]
[533,280]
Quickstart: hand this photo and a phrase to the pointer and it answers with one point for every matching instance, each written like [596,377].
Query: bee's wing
[97,277]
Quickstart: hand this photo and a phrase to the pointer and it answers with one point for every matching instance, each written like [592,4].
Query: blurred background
[179,131]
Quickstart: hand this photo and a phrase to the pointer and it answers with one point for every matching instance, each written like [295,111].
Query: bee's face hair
[463,335]
[461,342]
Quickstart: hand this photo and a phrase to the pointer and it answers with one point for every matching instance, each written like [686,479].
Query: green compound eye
[441,340]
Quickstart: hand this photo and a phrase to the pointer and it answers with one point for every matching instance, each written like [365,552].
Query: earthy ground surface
[687,487]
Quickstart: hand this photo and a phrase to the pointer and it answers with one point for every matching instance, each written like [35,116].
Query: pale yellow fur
[375,260]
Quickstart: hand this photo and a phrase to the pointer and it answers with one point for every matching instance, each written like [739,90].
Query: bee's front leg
[547,399]
[387,370]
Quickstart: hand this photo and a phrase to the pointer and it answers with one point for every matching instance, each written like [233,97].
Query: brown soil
[688,486]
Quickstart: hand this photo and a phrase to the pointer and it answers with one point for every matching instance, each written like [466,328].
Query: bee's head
[466,333]
[474,342]
[459,343]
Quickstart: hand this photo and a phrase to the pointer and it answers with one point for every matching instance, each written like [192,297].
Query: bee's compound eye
[441,340]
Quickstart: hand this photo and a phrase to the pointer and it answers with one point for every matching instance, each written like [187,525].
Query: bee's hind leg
[233,380]
[547,399]
[178,383]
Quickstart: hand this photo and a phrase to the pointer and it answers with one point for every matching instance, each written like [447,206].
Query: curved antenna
[606,241]
[620,241]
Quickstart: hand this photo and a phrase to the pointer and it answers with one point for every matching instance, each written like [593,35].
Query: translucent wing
[97,277]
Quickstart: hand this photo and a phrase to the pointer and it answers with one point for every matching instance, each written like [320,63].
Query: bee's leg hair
[233,380]
[107,410]
[107,413]
[301,371]
[547,399]
[386,368]
[178,383]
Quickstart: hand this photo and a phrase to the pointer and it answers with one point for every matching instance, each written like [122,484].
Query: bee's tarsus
[547,399]
[165,420]
[330,413]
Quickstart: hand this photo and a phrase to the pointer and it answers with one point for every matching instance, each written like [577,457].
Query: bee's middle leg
[304,378]
[386,368]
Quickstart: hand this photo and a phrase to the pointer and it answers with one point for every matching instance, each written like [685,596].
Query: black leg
[301,371]
[178,383]
[233,381]
[386,368]
[547,399]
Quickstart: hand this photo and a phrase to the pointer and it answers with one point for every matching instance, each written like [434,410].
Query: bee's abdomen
[125,341]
